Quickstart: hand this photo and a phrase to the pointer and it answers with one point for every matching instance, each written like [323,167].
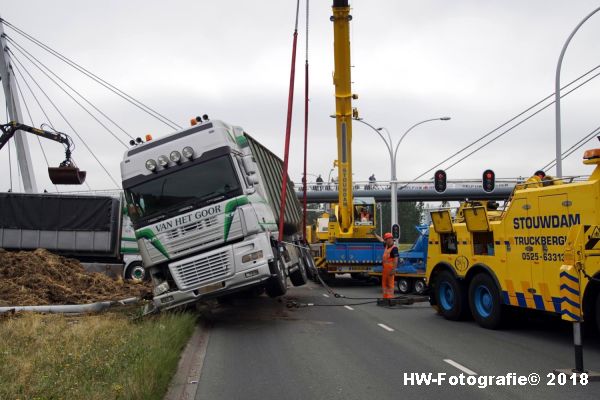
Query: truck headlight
[175,156]
[160,289]
[252,256]
[163,161]
[188,152]
[151,165]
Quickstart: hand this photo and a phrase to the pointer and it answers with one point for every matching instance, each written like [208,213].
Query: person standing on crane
[390,263]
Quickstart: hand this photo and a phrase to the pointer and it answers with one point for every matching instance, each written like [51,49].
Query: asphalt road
[260,349]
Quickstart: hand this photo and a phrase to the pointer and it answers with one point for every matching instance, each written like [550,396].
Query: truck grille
[192,228]
[206,269]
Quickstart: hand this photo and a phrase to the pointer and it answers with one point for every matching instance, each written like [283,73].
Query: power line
[511,120]
[66,120]
[72,98]
[155,114]
[26,53]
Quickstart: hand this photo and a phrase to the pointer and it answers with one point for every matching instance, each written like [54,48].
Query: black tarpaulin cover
[57,212]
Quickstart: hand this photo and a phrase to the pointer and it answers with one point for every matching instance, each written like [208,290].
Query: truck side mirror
[249,166]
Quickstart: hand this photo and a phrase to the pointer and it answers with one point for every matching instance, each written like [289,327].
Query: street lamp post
[389,144]
[557,95]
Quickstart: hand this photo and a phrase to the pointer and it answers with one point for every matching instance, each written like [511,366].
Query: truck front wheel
[485,303]
[450,296]
[136,272]
[276,285]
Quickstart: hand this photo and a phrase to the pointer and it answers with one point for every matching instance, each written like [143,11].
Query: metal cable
[16,68]
[576,146]
[72,98]
[520,122]
[67,122]
[33,123]
[26,53]
[153,113]
[509,121]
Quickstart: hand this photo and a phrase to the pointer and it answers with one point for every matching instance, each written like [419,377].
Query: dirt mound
[29,278]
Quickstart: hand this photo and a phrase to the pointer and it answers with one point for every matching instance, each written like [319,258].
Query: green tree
[409,215]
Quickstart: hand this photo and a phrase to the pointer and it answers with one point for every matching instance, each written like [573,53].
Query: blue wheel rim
[446,296]
[484,302]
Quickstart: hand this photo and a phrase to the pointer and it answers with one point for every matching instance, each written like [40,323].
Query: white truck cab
[204,202]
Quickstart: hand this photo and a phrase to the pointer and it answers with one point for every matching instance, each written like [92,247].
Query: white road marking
[387,328]
[349,308]
[326,295]
[461,367]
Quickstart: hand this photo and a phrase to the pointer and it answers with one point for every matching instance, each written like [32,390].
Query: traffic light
[440,181]
[489,180]
[396,231]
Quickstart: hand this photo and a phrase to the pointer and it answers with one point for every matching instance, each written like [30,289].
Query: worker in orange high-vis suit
[390,262]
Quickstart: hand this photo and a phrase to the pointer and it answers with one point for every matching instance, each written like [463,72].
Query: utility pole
[14,113]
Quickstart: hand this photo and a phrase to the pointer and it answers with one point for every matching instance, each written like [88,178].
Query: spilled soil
[39,277]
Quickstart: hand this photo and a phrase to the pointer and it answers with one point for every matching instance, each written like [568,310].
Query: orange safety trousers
[387,274]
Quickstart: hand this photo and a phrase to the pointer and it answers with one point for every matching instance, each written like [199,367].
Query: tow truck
[541,251]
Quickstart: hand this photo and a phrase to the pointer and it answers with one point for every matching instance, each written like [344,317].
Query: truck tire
[450,296]
[276,285]
[419,286]
[485,301]
[298,277]
[598,311]
[136,272]
[404,285]
[311,269]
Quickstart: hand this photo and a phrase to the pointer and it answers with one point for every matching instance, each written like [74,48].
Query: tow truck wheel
[450,296]
[276,285]
[598,311]
[136,272]
[419,286]
[298,277]
[404,285]
[485,303]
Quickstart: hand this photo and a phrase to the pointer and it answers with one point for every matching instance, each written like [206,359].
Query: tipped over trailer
[204,202]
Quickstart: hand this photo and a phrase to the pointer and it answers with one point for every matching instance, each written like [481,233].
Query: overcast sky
[479,62]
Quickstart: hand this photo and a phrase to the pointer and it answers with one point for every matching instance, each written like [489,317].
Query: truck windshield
[192,186]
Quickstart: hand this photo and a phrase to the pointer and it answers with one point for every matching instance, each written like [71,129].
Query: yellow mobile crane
[346,242]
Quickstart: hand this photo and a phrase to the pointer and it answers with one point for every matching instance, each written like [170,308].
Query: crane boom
[66,173]
[343,113]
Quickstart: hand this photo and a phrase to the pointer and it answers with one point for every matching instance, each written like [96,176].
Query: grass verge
[105,356]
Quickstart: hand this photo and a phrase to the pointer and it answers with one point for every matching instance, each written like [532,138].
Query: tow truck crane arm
[66,173]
